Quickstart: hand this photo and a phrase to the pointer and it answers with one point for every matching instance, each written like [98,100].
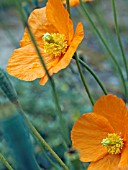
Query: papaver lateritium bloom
[101,137]
[75,2]
[56,39]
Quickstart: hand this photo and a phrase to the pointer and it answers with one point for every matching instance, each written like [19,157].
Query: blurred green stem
[94,75]
[64,130]
[118,36]
[42,141]
[9,90]
[83,80]
[48,158]
[68,7]
[5,162]
[78,65]
[47,146]
[105,45]
[62,126]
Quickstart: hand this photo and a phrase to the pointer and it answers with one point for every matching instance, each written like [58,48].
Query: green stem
[94,75]
[77,62]
[83,80]
[62,127]
[118,36]
[40,138]
[5,162]
[105,44]
[9,90]
[48,158]
[68,6]
[104,27]
[35,132]
[64,131]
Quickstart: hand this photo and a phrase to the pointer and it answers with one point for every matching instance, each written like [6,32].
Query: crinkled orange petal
[114,109]
[39,26]
[109,162]
[65,60]
[87,135]
[25,64]
[59,17]
[124,157]
[75,2]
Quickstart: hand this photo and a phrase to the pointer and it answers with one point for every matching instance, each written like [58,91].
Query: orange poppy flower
[56,39]
[101,137]
[75,2]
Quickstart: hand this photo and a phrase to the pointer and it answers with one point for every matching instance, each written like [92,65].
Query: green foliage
[38,103]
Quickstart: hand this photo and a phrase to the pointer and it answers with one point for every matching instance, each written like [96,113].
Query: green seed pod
[7,87]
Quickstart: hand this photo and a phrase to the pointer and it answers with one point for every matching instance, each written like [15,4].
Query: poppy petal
[124,157]
[44,79]
[59,17]
[109,162]
[114,109]
[65,60]
[87,135]
[39,26]
[25,64]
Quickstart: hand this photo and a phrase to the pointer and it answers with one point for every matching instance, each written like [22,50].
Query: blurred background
[36,100]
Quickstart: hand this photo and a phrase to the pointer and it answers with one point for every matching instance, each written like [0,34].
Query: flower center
[55,44]
[114,143]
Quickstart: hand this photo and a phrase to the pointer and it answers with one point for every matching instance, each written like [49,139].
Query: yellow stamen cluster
[114,143]
[55,44]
